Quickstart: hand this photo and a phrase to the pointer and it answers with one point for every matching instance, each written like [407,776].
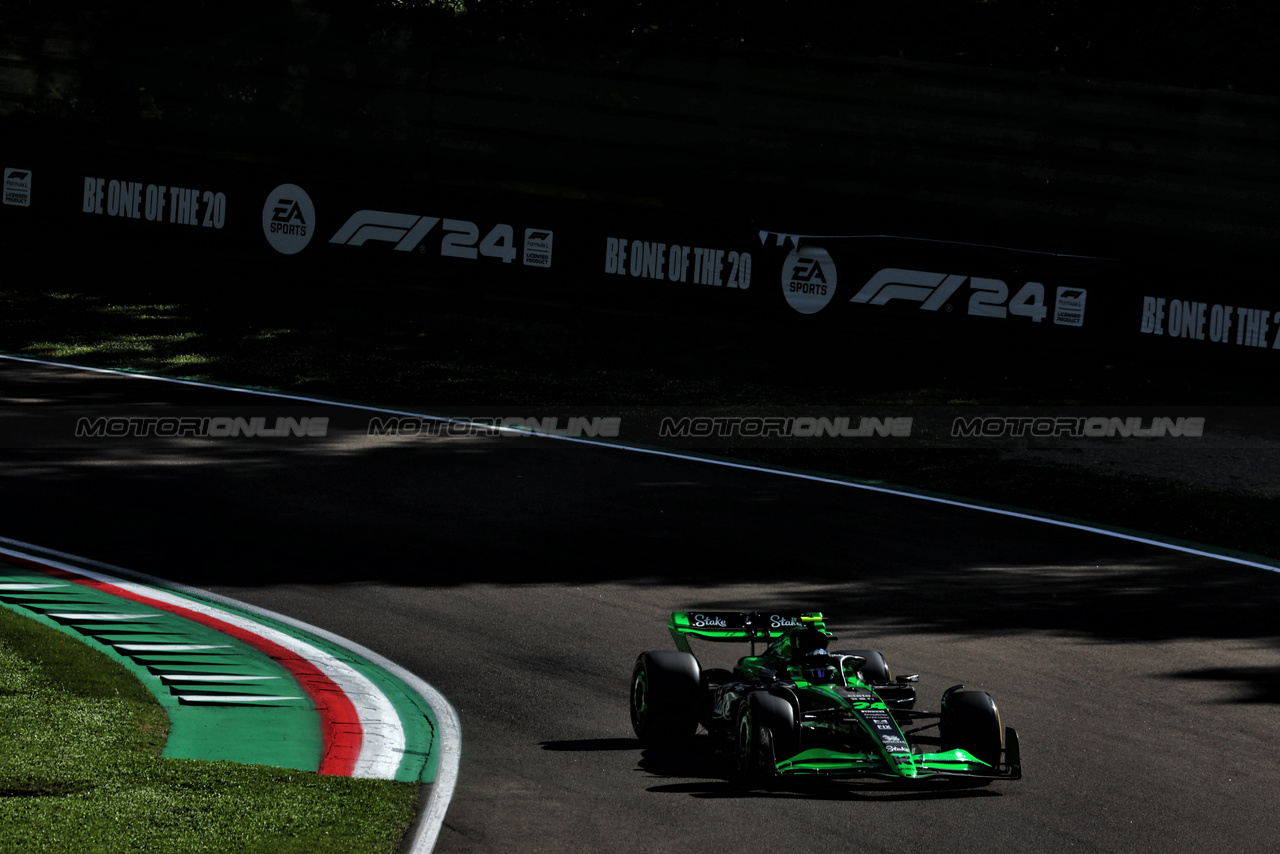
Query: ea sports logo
[288,219]
[808,279]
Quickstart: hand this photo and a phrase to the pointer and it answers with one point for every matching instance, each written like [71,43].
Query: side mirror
[903,680]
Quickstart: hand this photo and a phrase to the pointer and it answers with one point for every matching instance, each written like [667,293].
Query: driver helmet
[819,669]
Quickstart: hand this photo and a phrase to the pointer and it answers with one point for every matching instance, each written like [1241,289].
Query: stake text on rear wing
[727,627]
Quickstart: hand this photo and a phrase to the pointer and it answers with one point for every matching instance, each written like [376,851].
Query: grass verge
[80,771]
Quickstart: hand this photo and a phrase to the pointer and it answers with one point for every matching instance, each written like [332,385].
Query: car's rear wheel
[664,697]
[970,721]
[765,734]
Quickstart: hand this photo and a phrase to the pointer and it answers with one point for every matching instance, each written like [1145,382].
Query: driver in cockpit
[809,651]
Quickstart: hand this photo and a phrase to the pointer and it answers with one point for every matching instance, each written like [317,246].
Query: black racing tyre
[970,721]
[664,697]
[876,671]
[765,733]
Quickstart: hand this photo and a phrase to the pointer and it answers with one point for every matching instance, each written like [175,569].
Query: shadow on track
[592,744]
[864,792]
[444,513]
[705,769]
[1262,684]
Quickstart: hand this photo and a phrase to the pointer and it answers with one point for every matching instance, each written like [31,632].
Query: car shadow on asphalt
[827,790]
[589,744]
[705,773]
[703,761]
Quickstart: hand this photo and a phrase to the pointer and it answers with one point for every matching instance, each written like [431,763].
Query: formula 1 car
[797,709]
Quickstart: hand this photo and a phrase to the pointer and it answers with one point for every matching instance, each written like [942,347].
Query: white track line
[635,449]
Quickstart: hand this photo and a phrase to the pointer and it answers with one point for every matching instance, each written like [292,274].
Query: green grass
[80,771]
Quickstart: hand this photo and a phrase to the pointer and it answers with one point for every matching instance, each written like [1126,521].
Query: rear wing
[727,627]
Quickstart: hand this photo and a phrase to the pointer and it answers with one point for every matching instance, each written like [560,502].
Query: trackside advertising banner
[939,288]
[296,232]
[214,218]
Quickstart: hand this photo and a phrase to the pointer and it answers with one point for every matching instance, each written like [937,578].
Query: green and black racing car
[797,709]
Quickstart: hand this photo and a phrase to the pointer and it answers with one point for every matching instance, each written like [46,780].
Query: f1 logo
[932,289]
[405,230]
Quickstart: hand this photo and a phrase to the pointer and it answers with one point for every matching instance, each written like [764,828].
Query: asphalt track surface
[520,577]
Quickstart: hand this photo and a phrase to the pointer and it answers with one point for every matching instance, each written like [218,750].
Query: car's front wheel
[970,721]
[765,734]
[876,670]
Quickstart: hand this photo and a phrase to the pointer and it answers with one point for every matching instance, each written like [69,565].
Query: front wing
[913,766]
